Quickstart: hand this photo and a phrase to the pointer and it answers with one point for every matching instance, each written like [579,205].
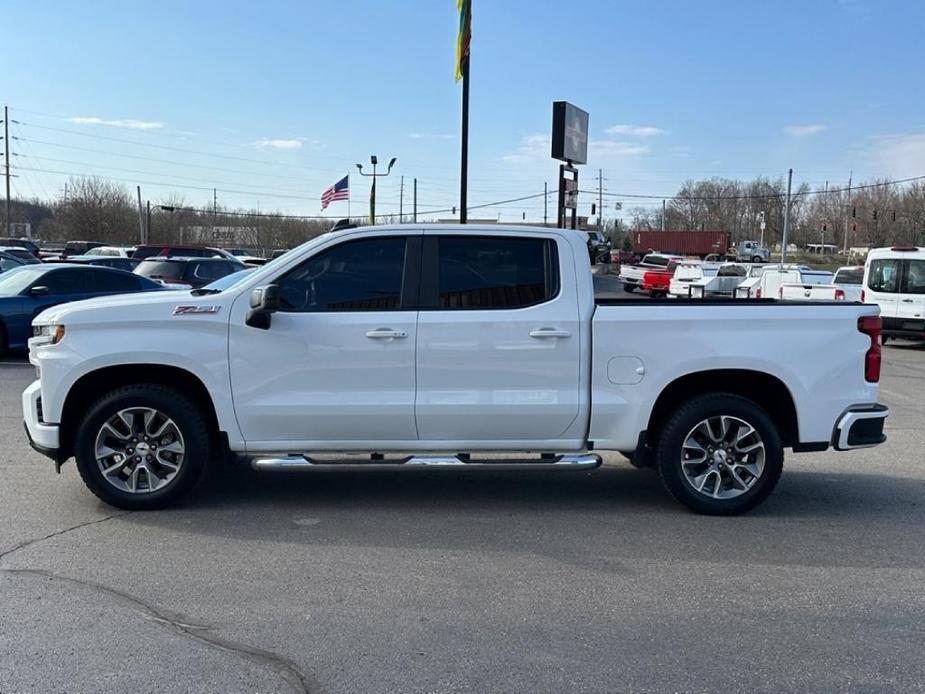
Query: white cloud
[900,156]
[284,144]
[532,147]
[805,130]
[130,123]
[611,148]
[635,130]
[431,136]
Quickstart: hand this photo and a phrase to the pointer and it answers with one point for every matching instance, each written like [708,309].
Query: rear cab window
[849,276]
[492,272]
[160,269]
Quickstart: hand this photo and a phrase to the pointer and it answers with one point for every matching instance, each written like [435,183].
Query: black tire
[629,288]
[757,259]
[191,423]
[682,422]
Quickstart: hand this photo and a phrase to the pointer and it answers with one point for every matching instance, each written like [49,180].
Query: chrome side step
[585,461]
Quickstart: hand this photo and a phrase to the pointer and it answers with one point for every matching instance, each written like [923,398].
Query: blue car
[8,261]
[28,290]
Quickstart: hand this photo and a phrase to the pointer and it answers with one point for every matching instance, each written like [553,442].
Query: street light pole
[374,160]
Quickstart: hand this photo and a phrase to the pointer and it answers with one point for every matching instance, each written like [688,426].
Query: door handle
[385,334]
[549,332]
[908,301]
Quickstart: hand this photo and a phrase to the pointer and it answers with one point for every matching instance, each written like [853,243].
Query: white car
[894,279]
[428,343]
[112,251]
[632,275]
[688,272]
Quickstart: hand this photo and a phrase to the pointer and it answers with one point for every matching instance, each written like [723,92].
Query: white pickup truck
[845,285]
[452,347]
[632,275]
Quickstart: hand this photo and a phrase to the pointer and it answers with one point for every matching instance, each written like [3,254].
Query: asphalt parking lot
[478,582]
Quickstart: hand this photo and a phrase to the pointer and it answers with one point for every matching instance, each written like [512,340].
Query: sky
[270,102]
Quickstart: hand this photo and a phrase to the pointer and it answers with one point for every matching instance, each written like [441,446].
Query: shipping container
[683,242]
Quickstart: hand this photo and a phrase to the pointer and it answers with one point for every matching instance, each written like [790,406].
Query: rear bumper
[43,437]
[860,427]
[908,328]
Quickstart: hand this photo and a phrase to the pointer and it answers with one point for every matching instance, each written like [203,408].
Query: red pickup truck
[656,282]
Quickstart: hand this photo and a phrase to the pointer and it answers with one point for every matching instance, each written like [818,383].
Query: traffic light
[824,226]
[854,212]
[454,209]
[875,215]
[894,215]
[593,209]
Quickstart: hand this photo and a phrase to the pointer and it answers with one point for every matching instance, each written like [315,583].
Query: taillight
[839,295]
[872,326]
[863,295]
[758,293]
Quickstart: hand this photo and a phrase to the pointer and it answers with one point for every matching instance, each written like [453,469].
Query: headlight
[53,333]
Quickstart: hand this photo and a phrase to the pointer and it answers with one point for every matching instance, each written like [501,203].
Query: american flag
[339,191]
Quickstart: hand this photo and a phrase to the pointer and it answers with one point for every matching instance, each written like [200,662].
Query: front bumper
[43,437]
[860,427]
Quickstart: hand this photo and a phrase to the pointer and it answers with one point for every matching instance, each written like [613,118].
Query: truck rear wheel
[720,454]
[628,288]
[143,447]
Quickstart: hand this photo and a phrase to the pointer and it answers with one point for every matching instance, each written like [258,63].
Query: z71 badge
[187,310]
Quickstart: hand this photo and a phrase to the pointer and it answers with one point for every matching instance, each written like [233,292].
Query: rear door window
[63,282]
[913,277]
[884,275]
[478,272]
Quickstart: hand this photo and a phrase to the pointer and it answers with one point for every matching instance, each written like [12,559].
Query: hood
[134,307]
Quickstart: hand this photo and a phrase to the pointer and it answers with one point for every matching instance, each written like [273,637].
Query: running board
[586,461]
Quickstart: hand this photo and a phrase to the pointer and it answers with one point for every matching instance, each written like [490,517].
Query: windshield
[161,269]
[226,282]
[17,279]
[849,276]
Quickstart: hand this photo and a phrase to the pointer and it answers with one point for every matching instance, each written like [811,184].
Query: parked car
[619,256]
[189,272]
[118,262]
[246,256]
[894,279]
[24,254]
[767,284]
[723,282]
[148,250]
[598,247]
[632,275]
[845,286]
[72,248]
[8,261]
[112,251]
[656,283]
[30,246]
[688,272]
[495,345]
[28,290]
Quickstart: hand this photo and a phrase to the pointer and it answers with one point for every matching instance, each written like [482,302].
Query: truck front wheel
[143,446]
[720,454]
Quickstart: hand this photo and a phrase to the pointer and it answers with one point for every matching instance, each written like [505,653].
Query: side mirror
[264,302]
[39,291]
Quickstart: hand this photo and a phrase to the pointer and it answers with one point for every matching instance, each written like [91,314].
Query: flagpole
[348,197]
[464,158]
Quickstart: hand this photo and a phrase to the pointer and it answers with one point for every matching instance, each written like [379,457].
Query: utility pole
[214,209]
[545,201]
[783,248]
[600,200]
[401,201]
[847,209]
[825,214]
[663,215]
[141,217]
[415,201]
[148,221]
[6,161]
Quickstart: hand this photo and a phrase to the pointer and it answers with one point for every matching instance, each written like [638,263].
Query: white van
[894,279]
